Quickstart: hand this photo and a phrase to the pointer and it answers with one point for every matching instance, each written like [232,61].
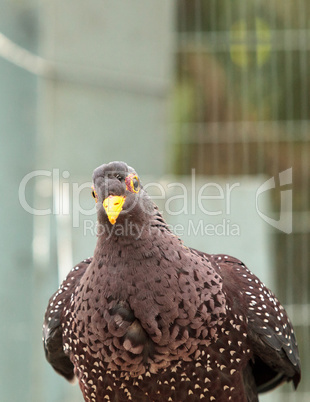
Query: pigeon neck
[122,244]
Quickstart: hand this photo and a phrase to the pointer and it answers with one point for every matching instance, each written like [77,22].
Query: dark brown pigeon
[149,319]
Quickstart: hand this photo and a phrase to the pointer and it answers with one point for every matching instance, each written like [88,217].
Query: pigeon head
[119,195]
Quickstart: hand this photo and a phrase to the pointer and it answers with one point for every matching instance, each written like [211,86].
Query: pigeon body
[149,319]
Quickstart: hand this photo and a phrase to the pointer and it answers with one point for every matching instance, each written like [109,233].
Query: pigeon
[149,319]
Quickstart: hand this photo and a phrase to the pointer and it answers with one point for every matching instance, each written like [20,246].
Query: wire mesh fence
[242,108]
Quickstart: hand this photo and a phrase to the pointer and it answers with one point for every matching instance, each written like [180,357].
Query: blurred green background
[212,89]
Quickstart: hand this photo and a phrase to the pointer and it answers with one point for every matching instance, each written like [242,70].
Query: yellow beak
[113,206]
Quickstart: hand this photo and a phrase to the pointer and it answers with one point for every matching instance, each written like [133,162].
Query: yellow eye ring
[132,183]
[94,194]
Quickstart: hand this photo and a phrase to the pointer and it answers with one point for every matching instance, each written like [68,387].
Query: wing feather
[52,328]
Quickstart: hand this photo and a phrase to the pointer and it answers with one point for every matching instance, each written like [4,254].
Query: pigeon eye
[132,183]
[135,183]
[94,194]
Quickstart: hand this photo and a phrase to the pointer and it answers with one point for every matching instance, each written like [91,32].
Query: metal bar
[257,131]
[280,40]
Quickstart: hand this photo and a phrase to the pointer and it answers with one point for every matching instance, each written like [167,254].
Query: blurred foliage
[241,97]
[245,62]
